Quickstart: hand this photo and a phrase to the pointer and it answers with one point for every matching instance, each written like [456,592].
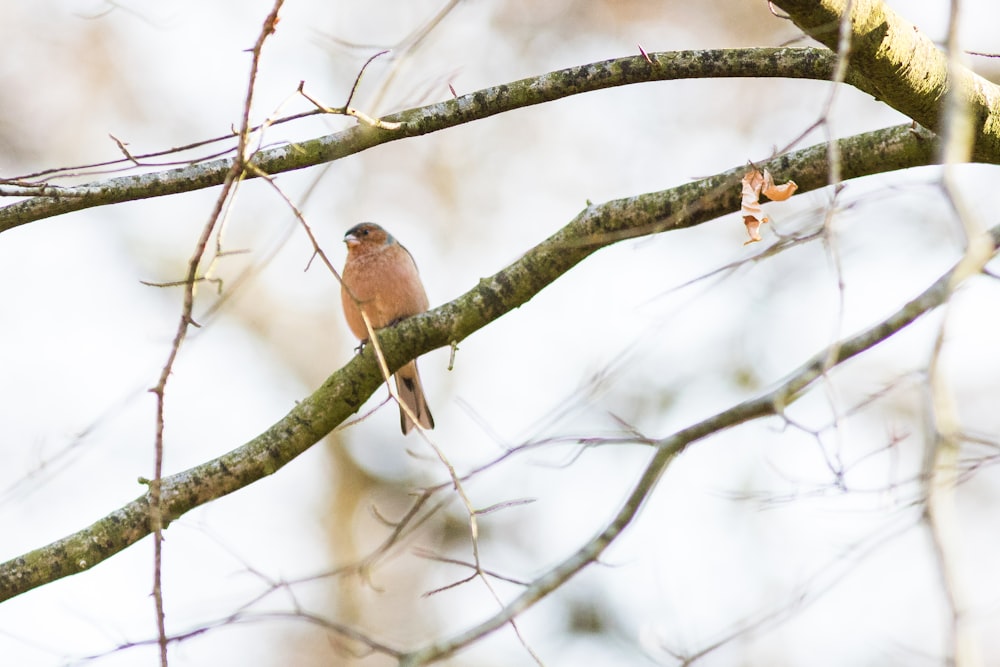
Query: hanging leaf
[755,183]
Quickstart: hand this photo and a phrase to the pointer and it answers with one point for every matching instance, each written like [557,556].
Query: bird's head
[367,234]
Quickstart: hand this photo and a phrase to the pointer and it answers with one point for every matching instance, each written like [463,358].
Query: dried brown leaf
[776,192]
[755,184]
[753,228]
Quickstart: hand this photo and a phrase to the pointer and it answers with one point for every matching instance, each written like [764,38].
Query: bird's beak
[351,240]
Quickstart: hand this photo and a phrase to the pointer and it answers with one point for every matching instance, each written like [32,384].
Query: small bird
[381,278]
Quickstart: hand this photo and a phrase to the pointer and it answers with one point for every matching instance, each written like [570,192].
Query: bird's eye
[364,232]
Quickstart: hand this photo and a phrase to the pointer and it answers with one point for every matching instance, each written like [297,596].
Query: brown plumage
[381,277]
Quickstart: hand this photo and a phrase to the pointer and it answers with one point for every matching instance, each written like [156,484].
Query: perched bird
[381,278]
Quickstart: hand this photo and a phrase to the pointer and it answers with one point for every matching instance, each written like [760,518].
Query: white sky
[81,340]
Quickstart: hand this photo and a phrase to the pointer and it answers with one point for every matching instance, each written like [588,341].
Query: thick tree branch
[761,63]
[346,390]
[908,72]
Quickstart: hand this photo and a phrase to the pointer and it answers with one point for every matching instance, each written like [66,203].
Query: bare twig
[347,109]
[942,469]
[186,319]
[452,474]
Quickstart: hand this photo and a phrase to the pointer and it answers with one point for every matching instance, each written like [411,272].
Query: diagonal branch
[816,64]
[347,389]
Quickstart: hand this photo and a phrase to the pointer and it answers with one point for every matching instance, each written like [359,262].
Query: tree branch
[347,389]
[910,72]
[763,63]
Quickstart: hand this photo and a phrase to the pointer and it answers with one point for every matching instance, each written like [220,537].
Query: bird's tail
[411,393]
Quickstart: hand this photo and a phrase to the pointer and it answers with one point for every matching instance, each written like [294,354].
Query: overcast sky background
[742,526]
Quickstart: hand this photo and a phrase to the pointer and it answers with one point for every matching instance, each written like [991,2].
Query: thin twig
[941,469]
[185,321]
